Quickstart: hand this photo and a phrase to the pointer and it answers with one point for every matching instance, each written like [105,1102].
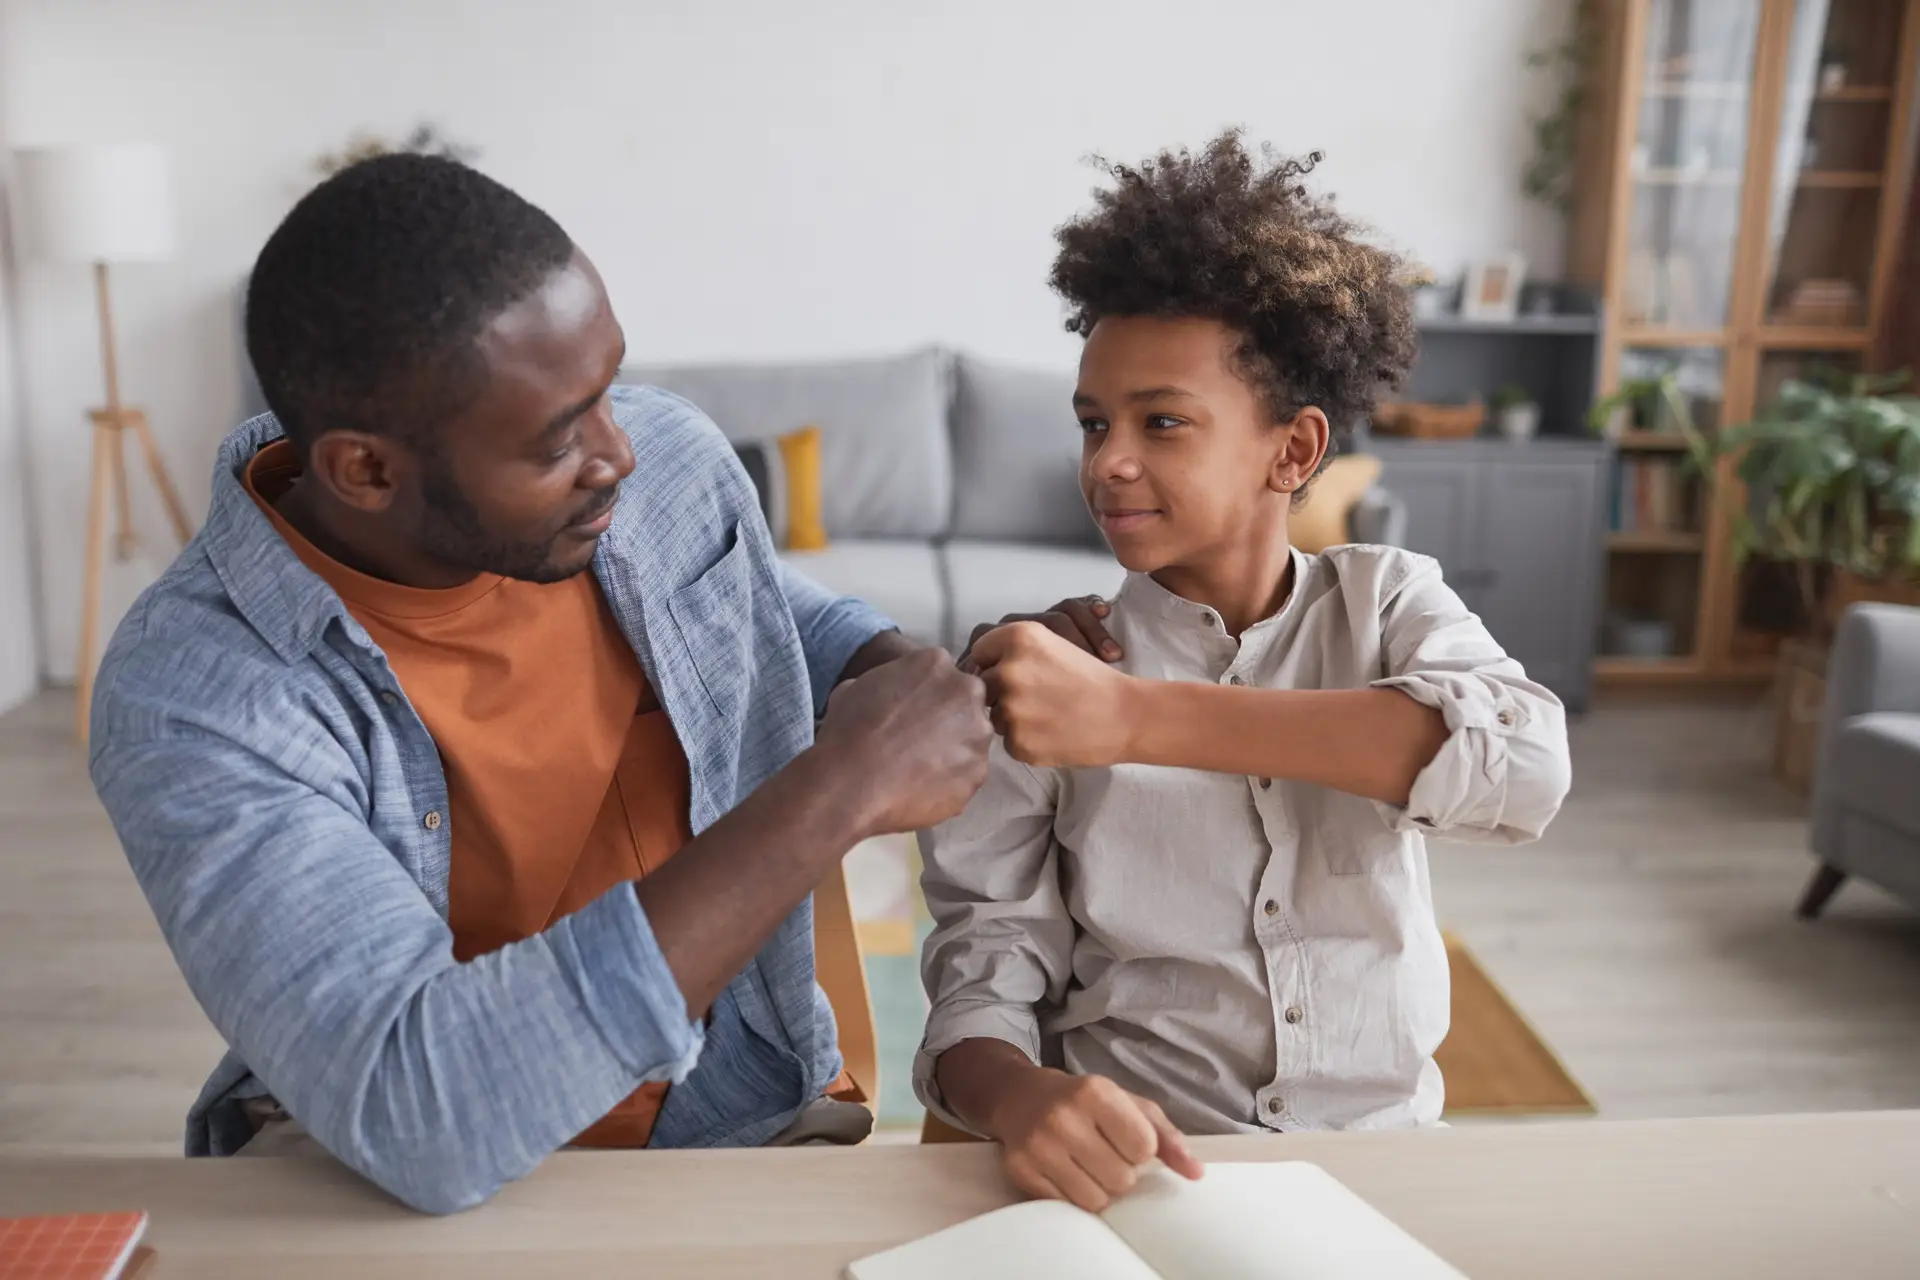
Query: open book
[1287,1221]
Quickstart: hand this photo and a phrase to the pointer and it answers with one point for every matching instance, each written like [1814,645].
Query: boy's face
[1181,464]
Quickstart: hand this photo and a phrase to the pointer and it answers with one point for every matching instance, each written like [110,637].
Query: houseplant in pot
[1515,413]
[1653,404]
[1832,474]
[1832,470]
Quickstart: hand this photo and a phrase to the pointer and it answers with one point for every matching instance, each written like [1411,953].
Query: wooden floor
[1649,938]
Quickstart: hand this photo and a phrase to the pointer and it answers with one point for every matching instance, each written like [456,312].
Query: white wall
[19,619]
[754,178]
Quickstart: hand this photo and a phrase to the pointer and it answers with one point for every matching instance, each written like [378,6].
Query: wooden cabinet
[1516,528]
[1742,176]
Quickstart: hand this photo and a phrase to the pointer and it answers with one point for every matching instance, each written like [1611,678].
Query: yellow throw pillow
[800,459]
[1321,520]
[785,471]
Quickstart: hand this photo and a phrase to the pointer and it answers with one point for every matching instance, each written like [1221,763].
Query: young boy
[1193,895]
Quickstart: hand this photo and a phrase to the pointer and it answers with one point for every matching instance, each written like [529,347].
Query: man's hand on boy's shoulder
[1081,620]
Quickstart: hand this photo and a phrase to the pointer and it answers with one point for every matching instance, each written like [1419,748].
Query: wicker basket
[1430,421]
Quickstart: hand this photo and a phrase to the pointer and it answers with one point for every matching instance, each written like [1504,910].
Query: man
[468,756]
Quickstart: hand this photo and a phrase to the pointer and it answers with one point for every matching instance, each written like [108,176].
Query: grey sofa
[950,484]
[1866,786]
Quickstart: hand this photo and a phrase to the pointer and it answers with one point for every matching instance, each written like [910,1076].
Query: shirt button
[389,697]
[1266,784]
[1275,1106]
[1271,907]
[1208,619]
[432,820]
[1235,679]
[1505,718]
[1294,1015]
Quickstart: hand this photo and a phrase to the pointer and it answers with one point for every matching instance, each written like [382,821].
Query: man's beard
[451,531]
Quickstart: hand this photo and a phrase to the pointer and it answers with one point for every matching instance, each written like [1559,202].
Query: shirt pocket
[1365,848]
[714,616]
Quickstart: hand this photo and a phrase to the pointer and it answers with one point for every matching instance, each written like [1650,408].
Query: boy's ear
[1304,440]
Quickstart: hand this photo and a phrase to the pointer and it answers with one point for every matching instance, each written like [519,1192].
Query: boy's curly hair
[1322,314]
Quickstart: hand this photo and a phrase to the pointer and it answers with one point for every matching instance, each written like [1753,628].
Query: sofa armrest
[1874,666]
[1379,518]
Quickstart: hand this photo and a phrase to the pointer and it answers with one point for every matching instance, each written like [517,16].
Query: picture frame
[1492,290]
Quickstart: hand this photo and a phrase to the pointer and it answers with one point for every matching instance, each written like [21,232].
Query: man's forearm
[882,649]
[975,1075]
[714,904]
[1366,742]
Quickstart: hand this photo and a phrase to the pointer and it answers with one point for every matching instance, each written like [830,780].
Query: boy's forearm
[1366,742]
[975,1077]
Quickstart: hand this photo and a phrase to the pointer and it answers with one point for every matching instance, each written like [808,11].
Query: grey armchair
[1866,787]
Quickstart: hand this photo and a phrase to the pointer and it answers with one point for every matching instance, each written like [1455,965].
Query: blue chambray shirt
[285,812]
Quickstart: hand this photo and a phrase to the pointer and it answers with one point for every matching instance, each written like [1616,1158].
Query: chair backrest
[840,973]
[934,1129]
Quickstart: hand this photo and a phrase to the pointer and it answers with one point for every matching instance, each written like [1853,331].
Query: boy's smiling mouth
[1126,519]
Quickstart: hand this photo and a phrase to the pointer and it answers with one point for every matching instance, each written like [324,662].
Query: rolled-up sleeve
[1504,769]
[1002,942]
[326,968]
[832,629]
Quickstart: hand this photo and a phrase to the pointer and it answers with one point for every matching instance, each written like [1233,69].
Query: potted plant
[1516,414]
[1647,404]
[1429,299]
[1833,472]
[426,140]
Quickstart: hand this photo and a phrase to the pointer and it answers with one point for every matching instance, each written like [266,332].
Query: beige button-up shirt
[1251,953]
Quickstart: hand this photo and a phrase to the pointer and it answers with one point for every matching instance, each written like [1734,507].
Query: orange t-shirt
[564,776]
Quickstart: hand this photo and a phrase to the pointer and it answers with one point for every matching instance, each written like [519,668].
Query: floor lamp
[103,205]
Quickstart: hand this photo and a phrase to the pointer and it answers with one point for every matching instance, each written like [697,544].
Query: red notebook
[80,1246]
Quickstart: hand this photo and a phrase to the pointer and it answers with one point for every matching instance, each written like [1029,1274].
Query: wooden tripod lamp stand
[102,205]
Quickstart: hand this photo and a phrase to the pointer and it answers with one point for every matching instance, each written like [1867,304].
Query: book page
[1287,1221]
[1039,1240]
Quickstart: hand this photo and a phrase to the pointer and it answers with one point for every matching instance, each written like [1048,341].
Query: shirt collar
[1141,595]
[284,601]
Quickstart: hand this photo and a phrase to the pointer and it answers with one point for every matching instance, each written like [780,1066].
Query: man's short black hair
[365,304]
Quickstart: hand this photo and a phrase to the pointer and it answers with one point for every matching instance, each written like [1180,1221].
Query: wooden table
[1835,1195]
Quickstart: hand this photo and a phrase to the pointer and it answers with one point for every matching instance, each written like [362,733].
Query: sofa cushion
[900,579]
[991,580]
[1875,765]
[1016,457]
[886,462]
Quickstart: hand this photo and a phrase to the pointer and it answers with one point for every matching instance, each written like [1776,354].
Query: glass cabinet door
[1688,162]
[1830,164]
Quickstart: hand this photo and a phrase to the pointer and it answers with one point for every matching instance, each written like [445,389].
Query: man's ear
[1304,441]
[358,469]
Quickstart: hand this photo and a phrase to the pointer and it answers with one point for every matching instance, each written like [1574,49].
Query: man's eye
[1091,425]
[1162,421]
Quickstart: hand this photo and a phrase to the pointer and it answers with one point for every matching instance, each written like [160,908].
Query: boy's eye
[1163,421]
[1091,425]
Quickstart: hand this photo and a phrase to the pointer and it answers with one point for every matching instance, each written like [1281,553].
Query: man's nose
[612,455]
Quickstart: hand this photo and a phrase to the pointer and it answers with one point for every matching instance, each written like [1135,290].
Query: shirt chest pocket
[1371,854]
[1357,841]
[713,615]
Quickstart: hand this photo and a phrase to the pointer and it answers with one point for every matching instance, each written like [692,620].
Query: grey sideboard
[1519,529]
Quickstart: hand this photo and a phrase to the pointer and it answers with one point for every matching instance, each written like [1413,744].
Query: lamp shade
[95,204]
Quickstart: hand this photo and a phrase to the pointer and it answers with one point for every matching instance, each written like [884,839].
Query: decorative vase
[1519,421]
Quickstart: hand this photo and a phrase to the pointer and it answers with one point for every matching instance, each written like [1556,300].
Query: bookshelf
[1743,170]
